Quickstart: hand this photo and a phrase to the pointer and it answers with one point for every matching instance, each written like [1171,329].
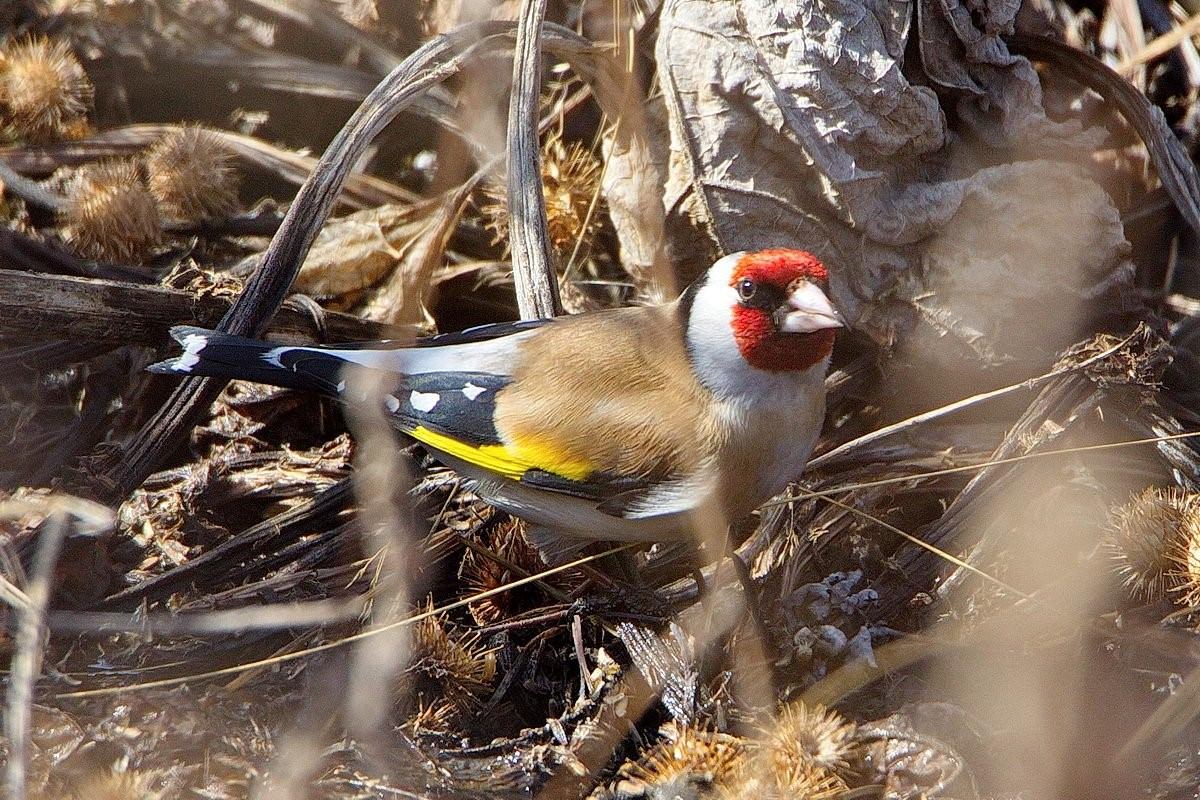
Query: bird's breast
[766,444]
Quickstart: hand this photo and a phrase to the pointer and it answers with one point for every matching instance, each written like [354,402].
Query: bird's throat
[765,348]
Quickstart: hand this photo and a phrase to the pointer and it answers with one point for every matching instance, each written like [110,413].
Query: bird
[612,425]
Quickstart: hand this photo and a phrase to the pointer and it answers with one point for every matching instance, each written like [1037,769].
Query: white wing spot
[272,356]
[390,401]
[471,391]
[341,387]
[423,401]
[193,343]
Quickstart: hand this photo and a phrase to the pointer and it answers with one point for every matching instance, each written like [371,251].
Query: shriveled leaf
[797,124]
[403,296]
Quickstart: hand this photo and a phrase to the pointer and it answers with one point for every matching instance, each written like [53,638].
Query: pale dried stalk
[529,240]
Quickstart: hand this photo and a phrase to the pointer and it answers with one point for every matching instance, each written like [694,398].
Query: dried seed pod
[1144,538]
[110,214]
[686,761]
[480,574]
[571,185]
[116,785]
[44,91]
[190,172]
[805,781]
[1184,554]
[458,663]
[804,735]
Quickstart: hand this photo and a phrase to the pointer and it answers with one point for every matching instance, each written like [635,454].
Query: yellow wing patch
[511,461]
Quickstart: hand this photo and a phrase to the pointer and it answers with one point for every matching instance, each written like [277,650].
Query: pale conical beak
[808,310]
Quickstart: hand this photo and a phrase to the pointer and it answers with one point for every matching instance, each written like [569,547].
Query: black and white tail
[220,355]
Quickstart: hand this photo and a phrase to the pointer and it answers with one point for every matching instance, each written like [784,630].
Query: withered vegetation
[986,584]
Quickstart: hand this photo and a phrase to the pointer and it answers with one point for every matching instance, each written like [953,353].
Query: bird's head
[769,308]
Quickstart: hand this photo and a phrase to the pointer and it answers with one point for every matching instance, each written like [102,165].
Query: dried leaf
[797,124]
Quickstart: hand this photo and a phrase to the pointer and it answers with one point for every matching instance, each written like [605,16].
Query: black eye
[746,288]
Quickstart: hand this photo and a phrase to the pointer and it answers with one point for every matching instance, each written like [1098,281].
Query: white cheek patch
[423,401]
[471,391]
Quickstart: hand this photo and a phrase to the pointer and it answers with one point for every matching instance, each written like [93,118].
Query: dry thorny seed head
[1184,554]
[570,183]
[805,781]
[808,735]
[191,174]
[116,785]
[686,761]
[435,717]
[461,666]
[1151,541]
[479,573]
[44,91]
[110,214]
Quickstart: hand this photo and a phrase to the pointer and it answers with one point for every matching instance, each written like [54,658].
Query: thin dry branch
[85,309]
[27,645]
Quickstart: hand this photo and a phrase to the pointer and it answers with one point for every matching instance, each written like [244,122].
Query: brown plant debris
[44,91]
[804,780]
[190,172]
[110,214]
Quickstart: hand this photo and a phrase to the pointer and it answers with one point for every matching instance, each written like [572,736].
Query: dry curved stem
[529,239]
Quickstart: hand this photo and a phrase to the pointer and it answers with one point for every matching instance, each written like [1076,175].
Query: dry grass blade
[937,551]
[360,191]
[961,405]
[1160,46]
[275,616]
[995,462]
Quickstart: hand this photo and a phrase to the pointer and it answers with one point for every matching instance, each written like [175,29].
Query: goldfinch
[608,425]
